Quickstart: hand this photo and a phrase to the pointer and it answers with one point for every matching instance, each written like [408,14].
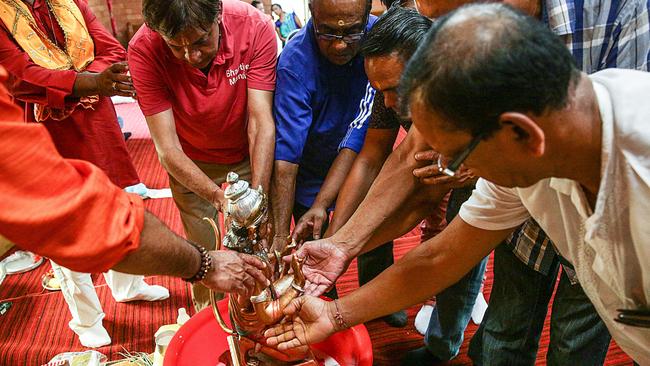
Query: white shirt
[609,246]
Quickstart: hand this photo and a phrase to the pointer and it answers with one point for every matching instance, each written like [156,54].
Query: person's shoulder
[145,40]
[298,54]
[240,13]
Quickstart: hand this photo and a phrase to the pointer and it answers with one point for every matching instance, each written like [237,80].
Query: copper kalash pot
[245,215]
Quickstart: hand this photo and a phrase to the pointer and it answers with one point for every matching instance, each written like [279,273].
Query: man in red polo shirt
[204,72]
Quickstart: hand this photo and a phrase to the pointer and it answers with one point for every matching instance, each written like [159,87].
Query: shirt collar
[225,51]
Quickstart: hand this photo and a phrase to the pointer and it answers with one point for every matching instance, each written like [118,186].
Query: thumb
[294,306]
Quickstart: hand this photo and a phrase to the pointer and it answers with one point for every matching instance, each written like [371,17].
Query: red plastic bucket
[201,341]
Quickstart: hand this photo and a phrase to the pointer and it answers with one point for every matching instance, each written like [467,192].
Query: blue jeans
[452,313]
[511,328]
[454,305]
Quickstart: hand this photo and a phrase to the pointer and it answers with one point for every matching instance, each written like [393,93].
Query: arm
[277,30]
[68,210]
[283,191]
[261,136]
[260,81]
[317,214]
[376,148]
[174,160]
[293,118]
[385,198]
[427,269]
[297,20]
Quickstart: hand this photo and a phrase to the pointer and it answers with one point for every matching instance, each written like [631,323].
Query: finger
[294,306]
[427,171]
[120,67]
[277,330]
[426,155]
[258,276]
[289,345]
[319,290]
[253,261]
[299,232]
[318,224]
[122,78]
[442,180]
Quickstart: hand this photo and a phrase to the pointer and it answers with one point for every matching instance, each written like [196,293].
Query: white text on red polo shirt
[238,73]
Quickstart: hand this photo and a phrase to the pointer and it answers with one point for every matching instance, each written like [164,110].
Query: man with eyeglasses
[573,154]
[322,90]
[204,71]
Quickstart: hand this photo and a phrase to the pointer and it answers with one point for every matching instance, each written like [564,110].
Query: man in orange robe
[64,67]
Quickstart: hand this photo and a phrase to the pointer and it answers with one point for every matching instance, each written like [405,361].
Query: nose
[192,56]
[339,45]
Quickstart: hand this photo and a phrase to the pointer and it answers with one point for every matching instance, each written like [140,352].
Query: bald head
[339,27]
[486,59]
[339,8]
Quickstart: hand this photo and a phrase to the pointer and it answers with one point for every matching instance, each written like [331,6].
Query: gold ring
[115,85]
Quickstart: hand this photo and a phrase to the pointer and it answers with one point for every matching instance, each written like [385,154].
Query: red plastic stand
[200,342]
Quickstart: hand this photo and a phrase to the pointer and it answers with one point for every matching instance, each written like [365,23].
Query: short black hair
[398,30]
[255,2]
[278,5]
[171,17]
[482,60]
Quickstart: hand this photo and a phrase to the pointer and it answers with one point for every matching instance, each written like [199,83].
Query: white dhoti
[79,293]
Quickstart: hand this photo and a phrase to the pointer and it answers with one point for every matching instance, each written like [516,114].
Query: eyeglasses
[348,38]
[451,168]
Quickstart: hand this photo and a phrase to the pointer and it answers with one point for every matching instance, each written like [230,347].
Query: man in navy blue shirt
[321,92]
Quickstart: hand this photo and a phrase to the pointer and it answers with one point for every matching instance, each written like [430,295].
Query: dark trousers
[298,211]
[511,328]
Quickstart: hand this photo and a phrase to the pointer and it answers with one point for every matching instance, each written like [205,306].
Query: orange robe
[66,210]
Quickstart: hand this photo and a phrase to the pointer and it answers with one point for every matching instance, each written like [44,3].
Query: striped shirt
[600,34]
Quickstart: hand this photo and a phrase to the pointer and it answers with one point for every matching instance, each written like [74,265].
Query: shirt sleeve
[34,83]
[261,75]
[493,207]
[382,117]
[67,210]
[293,116]
[356,134]
[153,95]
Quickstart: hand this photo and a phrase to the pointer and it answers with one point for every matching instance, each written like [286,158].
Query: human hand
[235,272]
[311,321]
[324,263]
[311,223]
[114,80]
[431,174]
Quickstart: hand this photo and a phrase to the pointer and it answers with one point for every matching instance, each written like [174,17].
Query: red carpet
[35,328]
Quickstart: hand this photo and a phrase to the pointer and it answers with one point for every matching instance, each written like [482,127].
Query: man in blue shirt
[322,91]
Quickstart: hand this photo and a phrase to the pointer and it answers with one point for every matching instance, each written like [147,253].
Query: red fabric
[67,210]
[210,111]
[88,134]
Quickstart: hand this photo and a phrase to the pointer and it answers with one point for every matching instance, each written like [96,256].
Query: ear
[526,130]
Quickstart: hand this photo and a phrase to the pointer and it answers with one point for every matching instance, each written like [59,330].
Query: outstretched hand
[324,263]
[310,320]
[235,272]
